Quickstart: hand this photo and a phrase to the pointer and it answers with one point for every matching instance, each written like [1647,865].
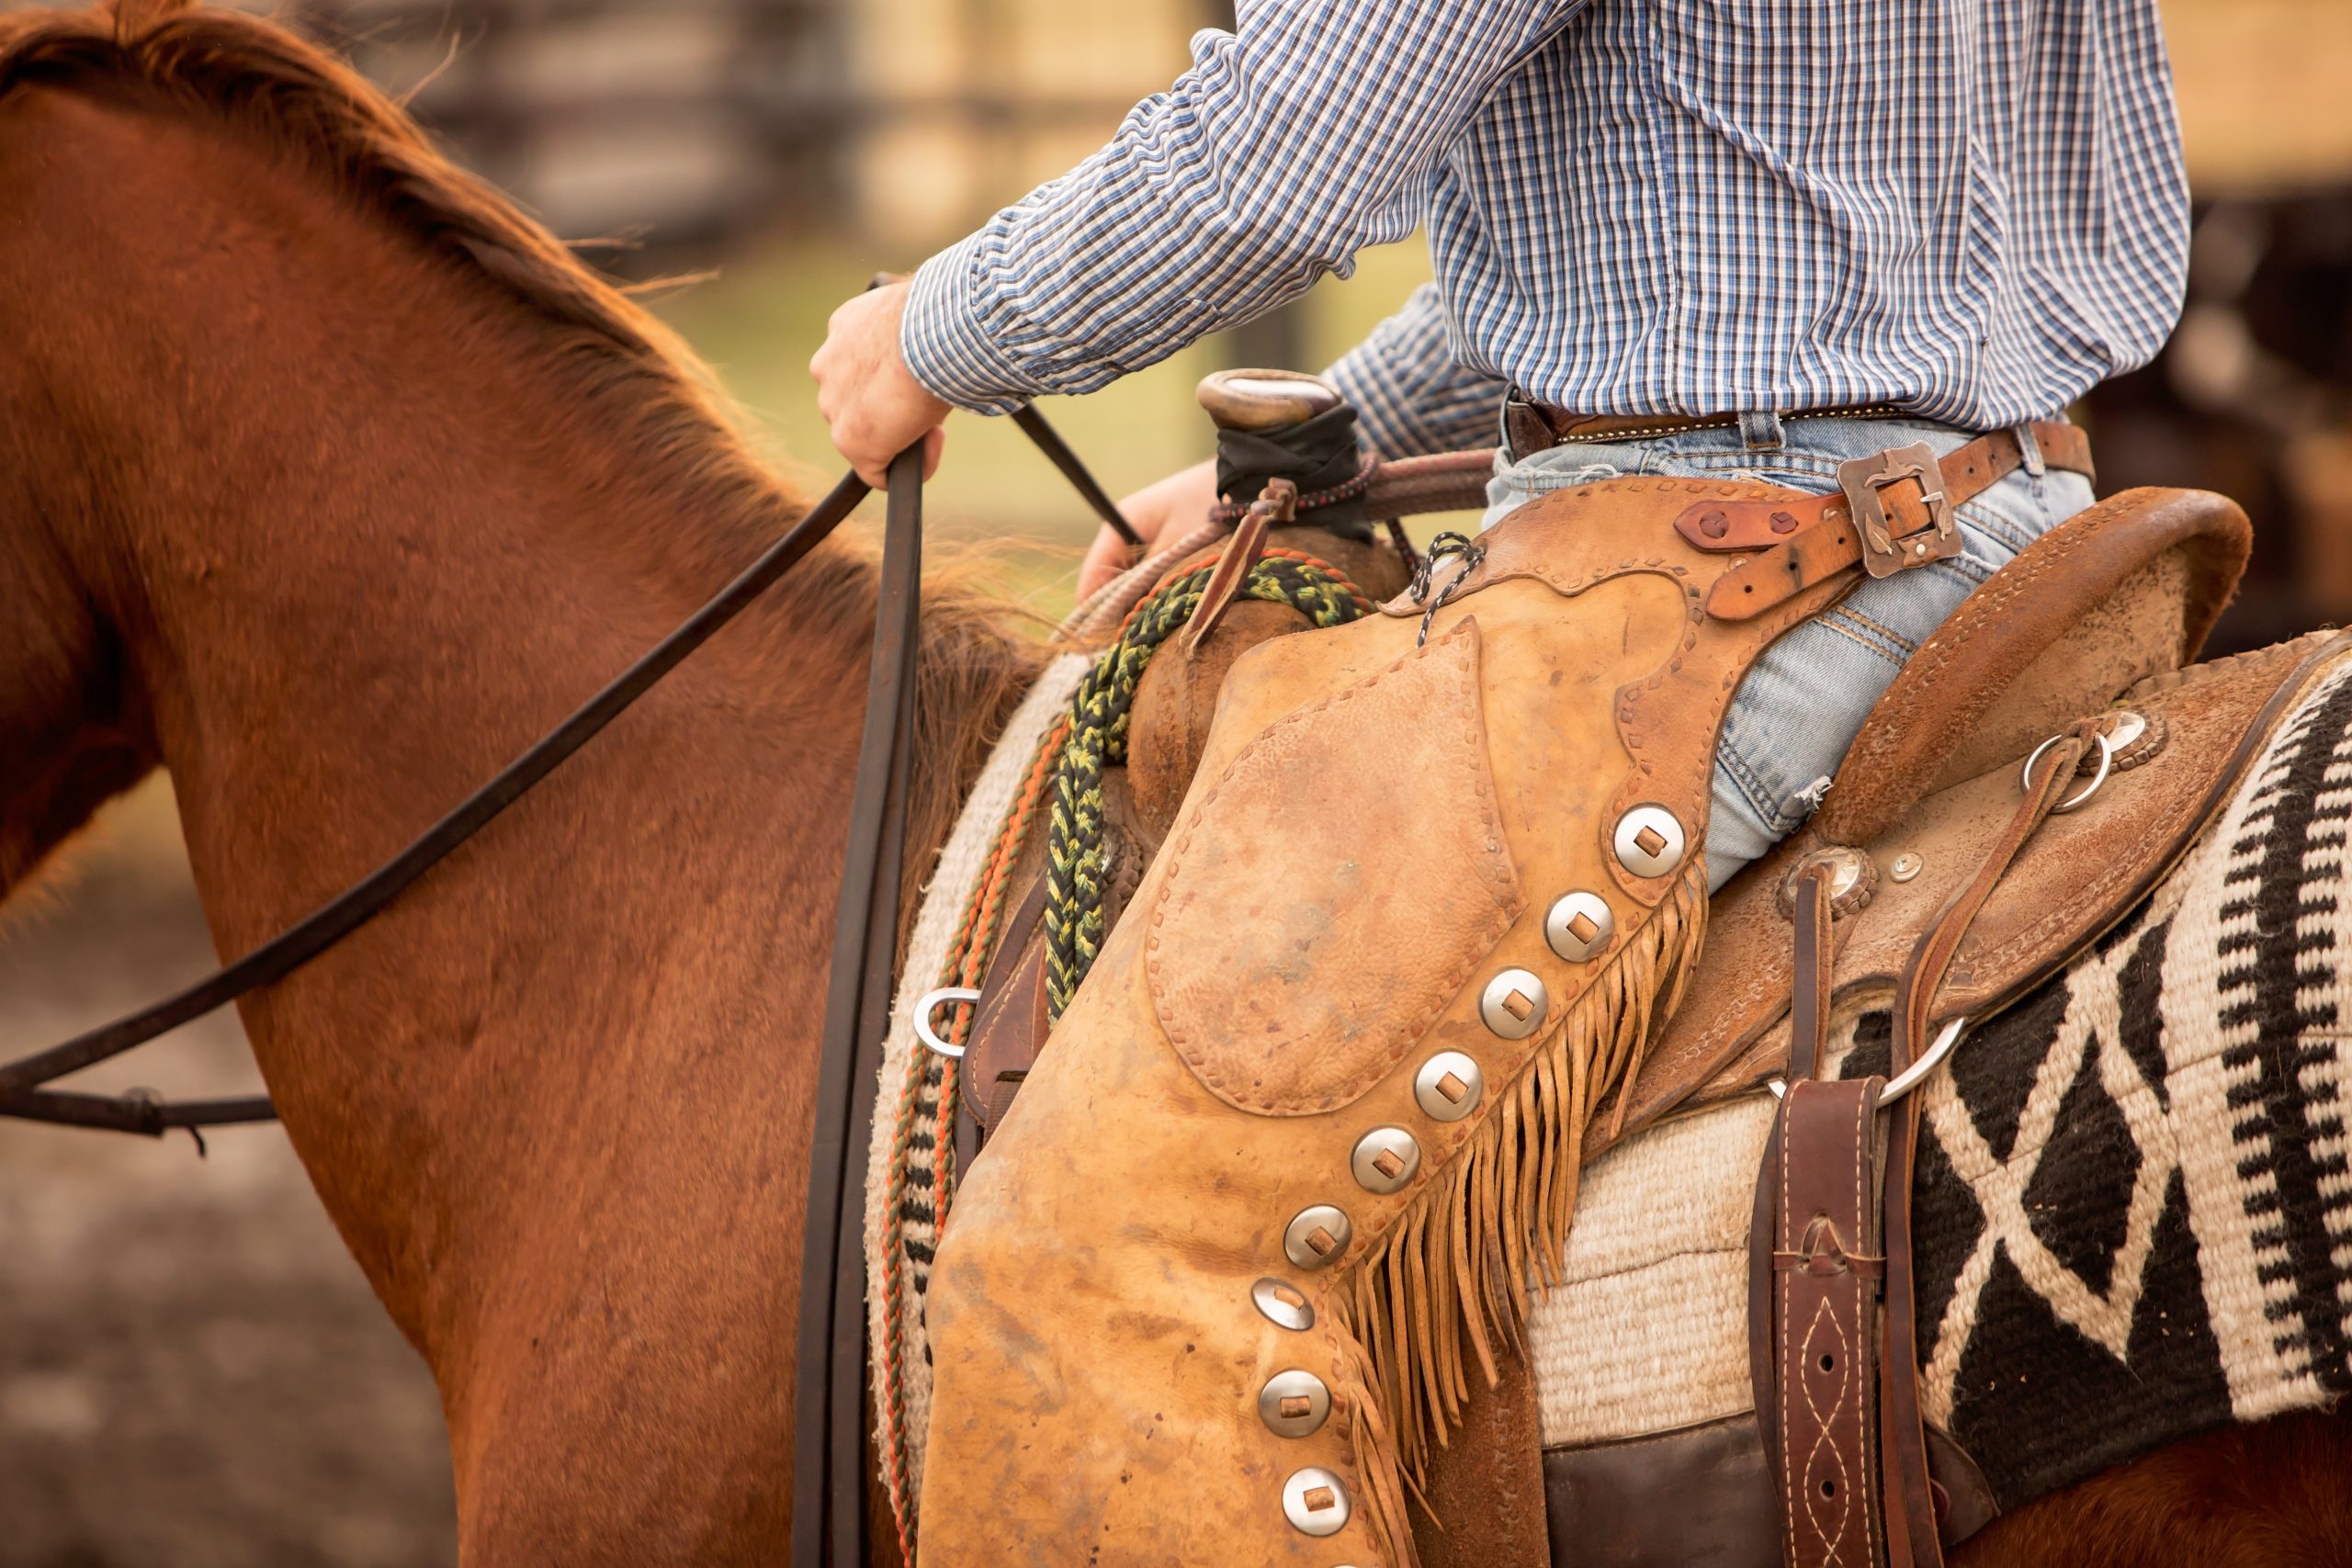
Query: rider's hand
[872,403]
[1172,506]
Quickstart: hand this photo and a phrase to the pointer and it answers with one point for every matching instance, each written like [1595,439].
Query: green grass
[762,316]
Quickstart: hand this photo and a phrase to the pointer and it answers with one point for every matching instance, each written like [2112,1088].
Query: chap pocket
[1335,888]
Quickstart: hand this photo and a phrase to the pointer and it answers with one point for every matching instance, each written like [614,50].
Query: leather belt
[1892,510]
[1530,428]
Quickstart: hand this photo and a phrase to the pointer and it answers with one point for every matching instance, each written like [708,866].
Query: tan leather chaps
[1274,1191]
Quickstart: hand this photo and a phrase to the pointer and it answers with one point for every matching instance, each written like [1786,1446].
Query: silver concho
[1314,1501]
[1448,1087]
[1579,925]
[1294,1404]
[1854,880]
[1649,841]
[1317,1235]
[1285,1306]
[1514,1004]
[1384,1159]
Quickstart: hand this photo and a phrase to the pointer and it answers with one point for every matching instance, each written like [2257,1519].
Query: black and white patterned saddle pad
[2133,1209]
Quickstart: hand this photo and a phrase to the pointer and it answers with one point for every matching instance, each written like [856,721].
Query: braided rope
[969,953]
[1076,855]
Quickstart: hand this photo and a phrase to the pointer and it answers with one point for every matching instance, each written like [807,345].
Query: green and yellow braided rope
[1076,856]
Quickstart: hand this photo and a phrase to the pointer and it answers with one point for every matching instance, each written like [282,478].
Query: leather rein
[22,1096]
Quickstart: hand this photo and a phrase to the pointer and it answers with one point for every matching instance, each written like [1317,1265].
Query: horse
[330,481]
[327,481]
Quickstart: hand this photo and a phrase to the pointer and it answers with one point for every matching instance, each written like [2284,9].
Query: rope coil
[1076,855]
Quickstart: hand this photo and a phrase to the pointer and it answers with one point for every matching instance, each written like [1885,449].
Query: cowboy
[1667,238]
[1835,269]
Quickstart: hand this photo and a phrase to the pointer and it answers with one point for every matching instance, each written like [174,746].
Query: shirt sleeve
[1305,135]
[1412,394]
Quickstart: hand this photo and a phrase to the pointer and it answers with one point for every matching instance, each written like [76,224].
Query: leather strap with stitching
[1913,1540]
[1822,1279]
[1838,1409]
[1814,1272]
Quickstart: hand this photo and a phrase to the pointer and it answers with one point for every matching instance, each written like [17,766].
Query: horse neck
[364,535]
[366,514]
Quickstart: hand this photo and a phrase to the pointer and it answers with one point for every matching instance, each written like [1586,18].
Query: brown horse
[328,481]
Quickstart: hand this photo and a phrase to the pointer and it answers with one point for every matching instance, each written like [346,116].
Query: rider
[1670,237]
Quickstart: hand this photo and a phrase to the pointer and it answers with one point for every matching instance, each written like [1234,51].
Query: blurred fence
[688,126]
[693,122]
[681,120]
[892,126]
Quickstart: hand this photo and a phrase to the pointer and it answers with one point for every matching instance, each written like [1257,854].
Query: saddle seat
[2107,608]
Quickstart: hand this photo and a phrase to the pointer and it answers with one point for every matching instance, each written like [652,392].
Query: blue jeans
[1796,713]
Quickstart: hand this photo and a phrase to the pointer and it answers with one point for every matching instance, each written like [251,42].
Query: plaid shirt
[1973,210]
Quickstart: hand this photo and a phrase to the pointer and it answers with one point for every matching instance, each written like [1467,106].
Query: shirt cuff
[943,344]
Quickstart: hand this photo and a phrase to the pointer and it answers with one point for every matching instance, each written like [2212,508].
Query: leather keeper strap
[1816,960]
[1814,1275]
[1914,1526]
[1800,539]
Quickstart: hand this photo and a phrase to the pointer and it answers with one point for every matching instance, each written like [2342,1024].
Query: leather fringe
[1457,1269]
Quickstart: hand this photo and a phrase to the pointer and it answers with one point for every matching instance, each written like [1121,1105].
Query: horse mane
[265,81]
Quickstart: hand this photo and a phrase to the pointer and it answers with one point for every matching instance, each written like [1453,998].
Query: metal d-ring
[2106,763]
[930,1002]
[1910,1078]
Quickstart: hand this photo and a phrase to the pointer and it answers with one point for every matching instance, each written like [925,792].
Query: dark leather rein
[21,1094]
[829,1510]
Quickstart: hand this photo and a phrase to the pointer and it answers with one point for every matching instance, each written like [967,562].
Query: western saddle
[1946,872]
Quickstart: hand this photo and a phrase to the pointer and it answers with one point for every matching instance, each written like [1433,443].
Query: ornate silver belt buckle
[1865,481]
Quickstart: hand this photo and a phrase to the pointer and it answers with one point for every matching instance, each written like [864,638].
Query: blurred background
[191,1370]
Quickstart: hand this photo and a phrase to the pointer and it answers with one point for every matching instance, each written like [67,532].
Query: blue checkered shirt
[1973,210]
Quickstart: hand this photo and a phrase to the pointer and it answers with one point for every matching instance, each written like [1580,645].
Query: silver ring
[2105,762]
[1910,1078]
[930,1002]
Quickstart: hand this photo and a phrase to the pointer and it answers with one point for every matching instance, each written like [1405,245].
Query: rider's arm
[1308,133]
[1411,392]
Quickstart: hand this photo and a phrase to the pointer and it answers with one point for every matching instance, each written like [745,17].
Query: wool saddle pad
[2133,1215]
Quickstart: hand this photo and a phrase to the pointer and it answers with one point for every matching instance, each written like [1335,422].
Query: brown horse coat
[330,482]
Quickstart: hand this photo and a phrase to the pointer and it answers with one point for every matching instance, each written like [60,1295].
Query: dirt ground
[192,1370]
